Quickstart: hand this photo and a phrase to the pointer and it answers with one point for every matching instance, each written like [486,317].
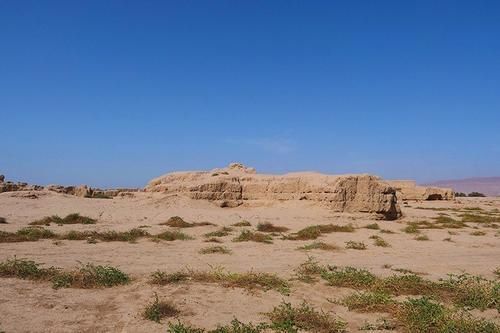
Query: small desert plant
[471,291]
[422,315]
[369,302]
[406,284]
[379,325]
[249,280]
[224,231]
[314,231]
[178,222]
[318,246]
[309,270]
[29,234]
[172,235]
[74,218]
[269,227]
[247,236]
[411,229]
[163,278]
[379,241]
[307,233]
[235,326]
[355,245]
[387,231]
[90,276]
[215,249]
[157,310]
[286,318]
[373,226]
[478,233]
[242,224]
[24,269]
[349,277]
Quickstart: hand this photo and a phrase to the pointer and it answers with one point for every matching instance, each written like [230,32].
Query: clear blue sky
[114,93]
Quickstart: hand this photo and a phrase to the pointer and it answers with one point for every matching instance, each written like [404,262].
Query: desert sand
[29,306]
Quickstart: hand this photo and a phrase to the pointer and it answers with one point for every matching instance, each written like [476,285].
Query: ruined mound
[232,186]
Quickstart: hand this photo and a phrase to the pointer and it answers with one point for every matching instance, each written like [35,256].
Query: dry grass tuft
[247,236]
[215,249]
[249,280]
[178,222]
[242,224]
[355,245]
[269,227]
[74,218]
[286,318]
[318,246]
[157,310]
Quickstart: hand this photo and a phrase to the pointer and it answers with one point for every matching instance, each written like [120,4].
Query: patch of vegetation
[411,229]
[106,236]
[25,269]
[163,278]
[249,280]
[355,245]
[373,226]
[478,233]
[422,315]
[314,231]
[215,249]
[235,326]
[406,284]
[157,310]
[379,241]
[173,235]
[471,291]
[29,234]
[286,318]
[479,218]
[242,224]
[247,236]
[307,233]
[318,246]
[309,270]
[369,302]
[269,227]
[349,277]
[406,271]
[448,222]
[379,325]
[178,222]
[90,276]
[74,218]
[387,231]
[87,276]
[224,231]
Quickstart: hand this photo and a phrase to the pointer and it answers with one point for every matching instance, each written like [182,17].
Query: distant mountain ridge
[487,185]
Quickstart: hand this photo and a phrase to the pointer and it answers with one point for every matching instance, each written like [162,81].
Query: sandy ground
[27,306]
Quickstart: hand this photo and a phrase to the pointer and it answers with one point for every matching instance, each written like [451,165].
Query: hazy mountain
[487,185]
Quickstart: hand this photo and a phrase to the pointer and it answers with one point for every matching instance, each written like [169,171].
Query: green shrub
[157,310]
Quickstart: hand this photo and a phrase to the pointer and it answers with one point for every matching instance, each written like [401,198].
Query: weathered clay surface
[409,190]
[236,184]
